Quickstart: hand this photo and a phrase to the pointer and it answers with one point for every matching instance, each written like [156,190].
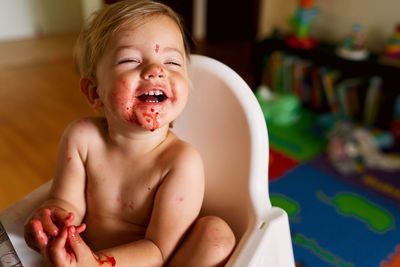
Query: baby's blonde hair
[93,39]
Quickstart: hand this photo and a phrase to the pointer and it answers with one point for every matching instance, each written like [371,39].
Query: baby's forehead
[135,23]
[152,31]
[129,27]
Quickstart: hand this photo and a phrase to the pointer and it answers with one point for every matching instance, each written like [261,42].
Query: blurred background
[39,90]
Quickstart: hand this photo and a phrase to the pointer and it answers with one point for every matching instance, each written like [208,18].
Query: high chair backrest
[224,122]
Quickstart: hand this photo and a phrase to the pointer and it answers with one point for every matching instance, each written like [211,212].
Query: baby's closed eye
[128,60]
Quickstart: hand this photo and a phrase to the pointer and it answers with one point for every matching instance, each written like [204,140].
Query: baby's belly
[105,232]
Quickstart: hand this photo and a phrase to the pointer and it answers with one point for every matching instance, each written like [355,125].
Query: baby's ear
[89,89]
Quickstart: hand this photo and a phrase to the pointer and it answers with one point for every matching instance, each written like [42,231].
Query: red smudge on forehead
[157,48]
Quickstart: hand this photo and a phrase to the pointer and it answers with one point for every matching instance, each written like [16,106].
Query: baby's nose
[153,71]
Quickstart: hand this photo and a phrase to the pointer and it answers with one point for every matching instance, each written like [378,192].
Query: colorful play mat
[335,220]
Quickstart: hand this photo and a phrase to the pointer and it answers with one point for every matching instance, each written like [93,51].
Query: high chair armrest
[13,219]
[268,243]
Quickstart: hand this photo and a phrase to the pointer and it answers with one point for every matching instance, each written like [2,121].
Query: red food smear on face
[152,117]
[125,84]
[69,159]
[131,205]
[157,48]
[120,97]
[136,109]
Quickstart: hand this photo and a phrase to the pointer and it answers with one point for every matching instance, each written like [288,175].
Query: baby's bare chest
[119,190]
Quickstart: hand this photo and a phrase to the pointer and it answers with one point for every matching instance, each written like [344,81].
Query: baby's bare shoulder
[82,132]
[83,127]
[181,154]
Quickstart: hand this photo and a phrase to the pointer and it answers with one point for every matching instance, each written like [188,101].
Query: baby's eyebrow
[168,49]
[123,47]
[173,49]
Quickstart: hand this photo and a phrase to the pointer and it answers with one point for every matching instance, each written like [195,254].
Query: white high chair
[224,122]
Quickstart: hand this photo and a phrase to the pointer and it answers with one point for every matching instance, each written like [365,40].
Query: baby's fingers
[58,250]
[63,218]
[81,228]
[49,225]
[40,236]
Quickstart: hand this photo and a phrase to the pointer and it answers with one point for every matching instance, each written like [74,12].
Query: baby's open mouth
[153,96]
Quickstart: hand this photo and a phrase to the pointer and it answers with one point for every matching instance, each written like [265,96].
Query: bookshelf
[325,58]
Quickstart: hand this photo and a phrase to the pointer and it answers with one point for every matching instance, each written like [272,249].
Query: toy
[351,149]
[354,46]
[280,109]
[300,24]
[391,54]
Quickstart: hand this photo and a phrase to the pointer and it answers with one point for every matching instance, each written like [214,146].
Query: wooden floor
[39,96]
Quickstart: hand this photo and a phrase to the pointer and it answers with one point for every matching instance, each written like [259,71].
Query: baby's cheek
[123,103]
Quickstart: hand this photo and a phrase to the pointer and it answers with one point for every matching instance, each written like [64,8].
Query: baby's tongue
[148,98]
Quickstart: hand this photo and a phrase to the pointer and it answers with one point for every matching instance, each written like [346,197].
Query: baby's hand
[45,224]
[69,249]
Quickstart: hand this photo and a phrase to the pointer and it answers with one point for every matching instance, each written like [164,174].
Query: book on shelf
[322,88]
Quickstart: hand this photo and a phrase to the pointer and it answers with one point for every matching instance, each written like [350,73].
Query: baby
[127,191]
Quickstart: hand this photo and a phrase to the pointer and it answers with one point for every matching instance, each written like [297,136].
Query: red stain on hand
[69,219]
[39,233]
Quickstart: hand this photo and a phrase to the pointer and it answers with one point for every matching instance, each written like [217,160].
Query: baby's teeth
[158,92]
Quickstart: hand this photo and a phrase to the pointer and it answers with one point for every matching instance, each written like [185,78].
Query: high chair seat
[224,121]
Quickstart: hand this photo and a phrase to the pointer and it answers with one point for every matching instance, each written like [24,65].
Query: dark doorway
[232,21]
[185,9]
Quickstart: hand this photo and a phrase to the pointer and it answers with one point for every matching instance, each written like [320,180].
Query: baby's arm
[176,206]
[67,193]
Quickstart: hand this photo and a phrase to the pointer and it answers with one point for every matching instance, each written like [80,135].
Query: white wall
[29,18]
[90,6]
[378,18]
[16,19]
